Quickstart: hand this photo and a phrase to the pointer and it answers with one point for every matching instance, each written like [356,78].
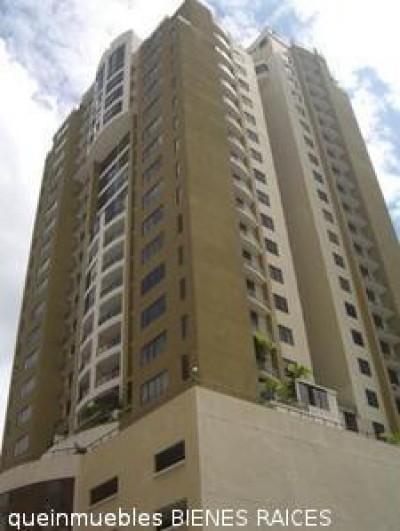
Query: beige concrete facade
[334,207]
[285,463]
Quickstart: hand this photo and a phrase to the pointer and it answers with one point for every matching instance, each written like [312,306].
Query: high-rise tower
[345,249]
[209,225]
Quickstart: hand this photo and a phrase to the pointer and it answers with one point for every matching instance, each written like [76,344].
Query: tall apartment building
[345,250]
[208,216]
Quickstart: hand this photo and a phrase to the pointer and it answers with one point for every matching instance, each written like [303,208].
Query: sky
[49,52]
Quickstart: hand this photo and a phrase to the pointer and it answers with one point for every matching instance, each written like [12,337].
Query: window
[313,396]
[250,118]
[352,227]
[31,360]
[152,147]
[256,155]
[184,326]
[116,61]
[385,347]
[251,287]
[267,222]
[117,93]
[271,246]
[308,141]
[364,367]
[285,335]
[350,421]
[327,215]
[153,312]
[357,338]
[261,68]
[313,159]
[263,198]
[254,319]
[351,310]
[151,279]
[185,367]
[180,255]
[253,136]
[24,415]
[305,126]
[281,303]
[393,377]
[170,456]
[247,101]
[28,386]
[153,348]
[154,387]
[371,295]
[152,220]
[103,491]
[338,260]
[152,127]
[358,249]
[244,85]
[259,176]
[318,176]
[167,514]
[112,111]
[372,399]
[152,195]
[276,274]
[152,247]
[152,170]
[323,196]
[378,428]
[21,446]
[182,288]
[344,284]
[333,237]
[179,223]
[377,320]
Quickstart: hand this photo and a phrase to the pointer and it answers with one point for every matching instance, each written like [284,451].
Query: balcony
[254,270]
[258,304]
[108,370]
[110,309]
[234,121]
[239,166]
[229,88]
[246,215]
[250,241]
[243,188]
[111,282]
[226,72]
[113,256]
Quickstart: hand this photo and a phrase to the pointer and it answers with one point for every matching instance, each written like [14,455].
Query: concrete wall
[252,457]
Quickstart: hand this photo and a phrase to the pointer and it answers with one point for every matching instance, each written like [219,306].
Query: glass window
[357,338]
[285,335]
[153,311]
[281,303]
[153,278]
[154,388]
[372,398]
[153,348]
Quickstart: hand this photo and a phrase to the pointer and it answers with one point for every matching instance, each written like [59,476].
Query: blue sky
[48,55]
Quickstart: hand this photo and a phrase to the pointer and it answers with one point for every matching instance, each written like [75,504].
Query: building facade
[208,216]
[345,250]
